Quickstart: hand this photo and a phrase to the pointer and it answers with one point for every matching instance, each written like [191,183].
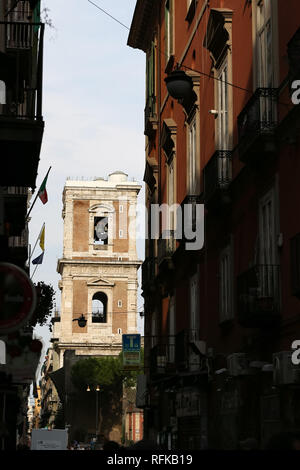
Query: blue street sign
[131,343]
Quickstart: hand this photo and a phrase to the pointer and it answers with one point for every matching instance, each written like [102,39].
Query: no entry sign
[17,298]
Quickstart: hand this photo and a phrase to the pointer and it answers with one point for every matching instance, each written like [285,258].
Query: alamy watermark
[296,94]
[296,354]
[158,221]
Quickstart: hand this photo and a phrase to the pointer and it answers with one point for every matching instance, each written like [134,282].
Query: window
[99,308]
[226,285]
[150,73]
[222,119]
[171,194]
[268,272]
[267,229]
[192,154]
[137,422]
[218,40]
[168,29]
[264,44]
[121,209]
[119,331]
[194,305]
[121,233]
[119,303]
[172,331]
[101,230]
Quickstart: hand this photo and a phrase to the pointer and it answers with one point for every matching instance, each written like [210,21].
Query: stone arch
[99,307]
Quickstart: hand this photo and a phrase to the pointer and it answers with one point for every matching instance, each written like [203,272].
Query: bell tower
[99,266]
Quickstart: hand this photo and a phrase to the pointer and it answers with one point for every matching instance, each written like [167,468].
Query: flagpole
[31,253]
[34,271]
[36,196]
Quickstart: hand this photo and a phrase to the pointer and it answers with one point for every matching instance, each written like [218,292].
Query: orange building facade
[220,319]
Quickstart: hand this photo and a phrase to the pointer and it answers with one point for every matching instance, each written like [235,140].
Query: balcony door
[222,119]
[265,67]
[267,245]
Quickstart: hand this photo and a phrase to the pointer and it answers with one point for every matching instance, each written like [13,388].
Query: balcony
[188,348]
[256,126]
[18,248]
[217,177]
[21,121]
[162,357]
[258,291]
[15,209]
[165,248]
[150,117]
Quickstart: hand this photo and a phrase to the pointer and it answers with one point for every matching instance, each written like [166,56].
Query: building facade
[21,133]
[99,280]
[220,319]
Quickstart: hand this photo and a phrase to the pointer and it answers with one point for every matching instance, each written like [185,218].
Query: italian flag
[42,191]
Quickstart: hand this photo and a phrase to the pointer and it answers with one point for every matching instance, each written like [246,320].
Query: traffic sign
[131,360]
[131,343]
[17,298]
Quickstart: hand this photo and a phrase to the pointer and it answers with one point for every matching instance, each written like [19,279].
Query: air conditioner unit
[237,364]
[284,371]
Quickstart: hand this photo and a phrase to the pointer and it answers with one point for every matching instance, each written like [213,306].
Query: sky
[93,108]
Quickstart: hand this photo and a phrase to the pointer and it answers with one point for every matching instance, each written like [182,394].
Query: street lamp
[180,87]
[81,321]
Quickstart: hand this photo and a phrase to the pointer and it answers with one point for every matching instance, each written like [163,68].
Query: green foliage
[44,304]
[103,371]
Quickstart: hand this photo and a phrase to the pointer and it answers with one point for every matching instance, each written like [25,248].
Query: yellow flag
[42,238]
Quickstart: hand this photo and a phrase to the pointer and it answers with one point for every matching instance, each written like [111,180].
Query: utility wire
[108,14]
[181,65]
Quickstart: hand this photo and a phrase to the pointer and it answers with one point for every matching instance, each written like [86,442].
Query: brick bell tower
[99,266]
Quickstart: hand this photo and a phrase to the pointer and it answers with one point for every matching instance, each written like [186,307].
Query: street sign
[131,359]
[131,343]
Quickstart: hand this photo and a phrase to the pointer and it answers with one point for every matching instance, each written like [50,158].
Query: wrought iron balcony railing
[258,118]
[166,246]
[183,347]
[217,173]
[258,291]
[162,357]
[22,42]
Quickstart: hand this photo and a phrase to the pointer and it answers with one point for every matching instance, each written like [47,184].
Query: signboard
[131,359]
[49,439]
[17,298]
[131,343]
